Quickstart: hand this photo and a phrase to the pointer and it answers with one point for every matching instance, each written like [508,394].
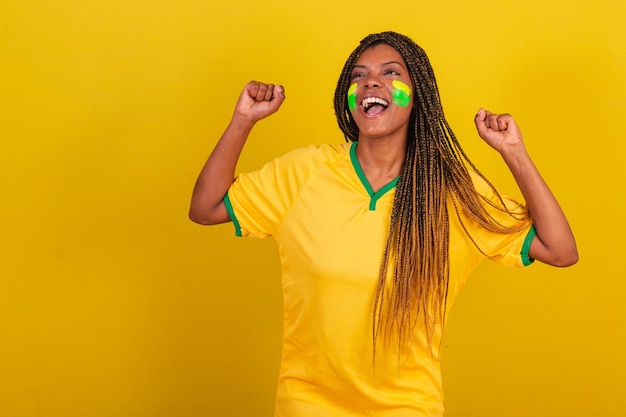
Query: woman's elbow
[562,254]
[194,217]
[564,258]
[570,259]
[209,217]
[201,217]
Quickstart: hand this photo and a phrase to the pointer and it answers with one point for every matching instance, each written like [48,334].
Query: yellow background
[112,303]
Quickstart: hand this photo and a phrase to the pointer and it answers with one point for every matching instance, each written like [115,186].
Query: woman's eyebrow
[382,65]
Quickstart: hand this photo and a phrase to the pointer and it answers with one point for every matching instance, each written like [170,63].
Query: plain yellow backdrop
[112,303]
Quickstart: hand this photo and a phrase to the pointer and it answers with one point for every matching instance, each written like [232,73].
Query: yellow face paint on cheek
[352,97]
[401,93]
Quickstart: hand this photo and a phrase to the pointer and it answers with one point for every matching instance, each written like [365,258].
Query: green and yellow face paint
[401,93]
[352,97]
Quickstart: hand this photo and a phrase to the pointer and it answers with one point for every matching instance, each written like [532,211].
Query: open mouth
[374,105]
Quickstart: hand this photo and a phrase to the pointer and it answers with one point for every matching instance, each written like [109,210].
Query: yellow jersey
[331,229]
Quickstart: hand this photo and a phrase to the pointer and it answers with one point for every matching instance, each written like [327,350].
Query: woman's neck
[381,159]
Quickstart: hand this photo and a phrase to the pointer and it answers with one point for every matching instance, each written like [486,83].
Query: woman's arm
[554,242]
[257,101]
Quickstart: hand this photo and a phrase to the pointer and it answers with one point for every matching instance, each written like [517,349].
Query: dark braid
[435,171]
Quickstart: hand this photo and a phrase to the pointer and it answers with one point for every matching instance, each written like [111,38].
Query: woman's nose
[373,82]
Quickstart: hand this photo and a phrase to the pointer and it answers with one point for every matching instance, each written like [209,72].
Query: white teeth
[368,101]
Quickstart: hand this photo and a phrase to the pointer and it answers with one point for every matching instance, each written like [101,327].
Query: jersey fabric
[331,229]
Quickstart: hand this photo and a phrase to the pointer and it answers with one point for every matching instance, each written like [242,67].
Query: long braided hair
[435,172]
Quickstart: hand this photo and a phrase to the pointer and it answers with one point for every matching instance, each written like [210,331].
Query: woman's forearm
[554,243]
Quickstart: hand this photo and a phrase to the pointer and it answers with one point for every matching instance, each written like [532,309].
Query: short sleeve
[258,201]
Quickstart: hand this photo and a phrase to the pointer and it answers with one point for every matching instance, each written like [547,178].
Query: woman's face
[381,94]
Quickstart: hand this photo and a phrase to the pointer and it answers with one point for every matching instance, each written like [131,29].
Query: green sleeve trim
[231,213]
[526,259]
[374,196]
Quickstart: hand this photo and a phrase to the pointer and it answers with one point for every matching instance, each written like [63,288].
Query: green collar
[374,196]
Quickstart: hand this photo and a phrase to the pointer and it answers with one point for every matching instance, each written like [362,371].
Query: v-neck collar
[374,196]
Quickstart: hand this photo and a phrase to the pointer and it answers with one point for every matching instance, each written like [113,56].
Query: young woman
[377,235]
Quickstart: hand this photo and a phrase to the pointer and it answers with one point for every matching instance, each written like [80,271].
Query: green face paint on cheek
[352,97]
[401,93]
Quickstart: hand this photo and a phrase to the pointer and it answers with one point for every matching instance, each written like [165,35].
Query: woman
[377,235]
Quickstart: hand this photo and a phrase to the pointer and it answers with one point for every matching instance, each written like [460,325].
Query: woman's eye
[391,72]
[357,75]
